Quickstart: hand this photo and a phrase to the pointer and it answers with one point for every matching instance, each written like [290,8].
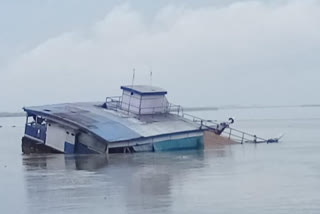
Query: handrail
[113,99]
[173,108]
[115,103]
[242,137]
[231,133]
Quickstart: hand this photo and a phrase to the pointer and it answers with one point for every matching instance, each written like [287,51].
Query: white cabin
[142,100]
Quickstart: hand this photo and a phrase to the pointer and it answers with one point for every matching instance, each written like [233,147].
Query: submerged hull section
[30,146]
[179,144]
[205,140]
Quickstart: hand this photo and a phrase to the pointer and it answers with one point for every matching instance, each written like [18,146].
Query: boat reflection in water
[65,162]
[119,183]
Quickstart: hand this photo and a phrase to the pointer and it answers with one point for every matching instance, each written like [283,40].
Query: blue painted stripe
[143,93]
[36,131]
[68,148]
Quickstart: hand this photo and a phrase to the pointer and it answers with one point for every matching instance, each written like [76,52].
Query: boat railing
[113,103]
[116,103]
[241,136]
[142,110]
[177,109]
[231,133]
[199,120]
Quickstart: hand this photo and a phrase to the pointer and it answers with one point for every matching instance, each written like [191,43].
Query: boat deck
[113,125]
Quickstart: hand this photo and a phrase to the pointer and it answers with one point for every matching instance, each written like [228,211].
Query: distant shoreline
[228,107]
[240,107]
[12,114]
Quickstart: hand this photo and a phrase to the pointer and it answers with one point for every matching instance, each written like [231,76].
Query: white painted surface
[154,104]
[130,102]
[144,104]
[58,135]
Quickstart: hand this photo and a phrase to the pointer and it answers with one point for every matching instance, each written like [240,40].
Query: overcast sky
[205,53]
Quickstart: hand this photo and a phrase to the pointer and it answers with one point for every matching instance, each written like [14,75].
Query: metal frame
[115,103]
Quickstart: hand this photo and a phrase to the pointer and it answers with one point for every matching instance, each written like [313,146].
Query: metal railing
[242,137]
[115,103]
[231,133]
[172,108]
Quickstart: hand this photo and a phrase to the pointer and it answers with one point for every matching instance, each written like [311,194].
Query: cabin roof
[144,89]
[113,126]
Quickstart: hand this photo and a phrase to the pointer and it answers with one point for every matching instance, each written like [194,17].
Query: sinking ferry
[140,120]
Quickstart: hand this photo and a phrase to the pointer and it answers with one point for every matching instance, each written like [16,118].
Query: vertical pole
[151,76]
[242,137]
[140,106]
[121,99]
[26,126]
[131,93]
[230,133]
[107,149]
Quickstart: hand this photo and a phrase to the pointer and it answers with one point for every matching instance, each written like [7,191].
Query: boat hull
[207,140]
[30,145]
[179,144]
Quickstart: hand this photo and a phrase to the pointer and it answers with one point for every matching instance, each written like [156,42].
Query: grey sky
[25,24]
[205,53]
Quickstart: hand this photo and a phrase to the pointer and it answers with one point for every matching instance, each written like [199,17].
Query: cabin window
[35,120]
[36,126]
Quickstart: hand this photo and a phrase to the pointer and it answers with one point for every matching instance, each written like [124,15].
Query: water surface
[262,178]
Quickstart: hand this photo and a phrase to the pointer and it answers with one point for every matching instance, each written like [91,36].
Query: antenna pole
[133,75]
[151,76]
